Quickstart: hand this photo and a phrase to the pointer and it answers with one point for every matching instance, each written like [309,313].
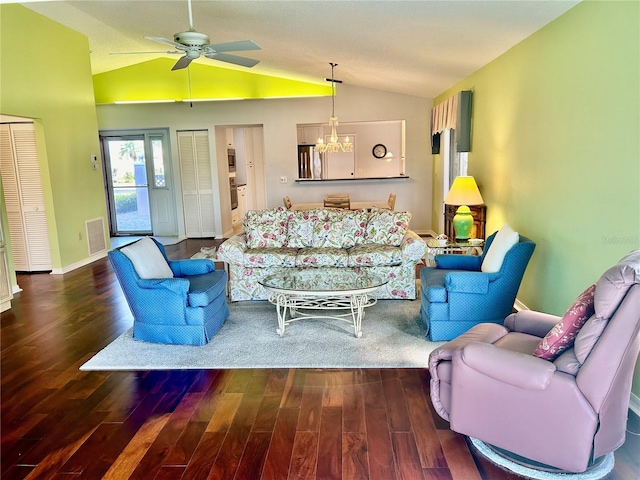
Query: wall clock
[379,150]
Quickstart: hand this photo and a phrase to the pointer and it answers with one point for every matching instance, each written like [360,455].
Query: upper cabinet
[229,134]
[309,134]
[378,151]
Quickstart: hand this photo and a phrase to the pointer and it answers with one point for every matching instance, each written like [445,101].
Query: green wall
[556,149]
[46,75]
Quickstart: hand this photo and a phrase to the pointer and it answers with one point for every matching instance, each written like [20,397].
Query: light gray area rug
[392,336]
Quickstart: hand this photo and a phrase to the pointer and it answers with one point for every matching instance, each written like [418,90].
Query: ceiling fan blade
[233,46]
[177,45]
[235,59]
[183,62]
[145,53]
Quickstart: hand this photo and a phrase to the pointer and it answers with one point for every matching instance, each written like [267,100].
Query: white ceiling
[413,47]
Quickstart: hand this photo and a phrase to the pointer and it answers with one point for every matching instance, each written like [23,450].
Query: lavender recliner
[566,413]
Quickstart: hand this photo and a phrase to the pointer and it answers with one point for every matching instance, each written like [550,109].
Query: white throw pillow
[502,243]
[147,259]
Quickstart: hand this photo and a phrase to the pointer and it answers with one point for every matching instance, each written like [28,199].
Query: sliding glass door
[138,183]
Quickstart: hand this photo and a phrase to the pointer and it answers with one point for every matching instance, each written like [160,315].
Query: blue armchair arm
[459,262]
[178,286]
[468,282]
[199,266]
[159,301]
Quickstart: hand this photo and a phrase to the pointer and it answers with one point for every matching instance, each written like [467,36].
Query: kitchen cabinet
[235,217]
[229,135]
[309,134]
[242,201]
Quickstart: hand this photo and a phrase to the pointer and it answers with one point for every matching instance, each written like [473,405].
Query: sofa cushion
[504,240]
[270,257]
[386,227]
[205,288]
[147,259]
[322,257]
[562,335]
[266,228]
[374,255]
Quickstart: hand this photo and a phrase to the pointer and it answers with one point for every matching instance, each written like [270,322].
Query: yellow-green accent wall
[154,80]
[46,75]
[556,147]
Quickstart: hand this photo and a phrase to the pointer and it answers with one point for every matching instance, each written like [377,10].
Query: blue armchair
[186,309]
[456,295]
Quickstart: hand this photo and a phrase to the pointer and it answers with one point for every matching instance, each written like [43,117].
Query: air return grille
[95,236]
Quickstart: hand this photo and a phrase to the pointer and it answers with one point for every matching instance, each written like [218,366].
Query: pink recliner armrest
[531,322]
[486,332]
[514,368]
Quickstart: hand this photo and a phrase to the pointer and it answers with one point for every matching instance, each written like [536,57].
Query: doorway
[138,183]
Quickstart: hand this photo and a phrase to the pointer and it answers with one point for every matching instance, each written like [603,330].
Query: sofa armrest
[531,322]
[200,266]
[232,250]
[413,247]
[458,262]
[506,366]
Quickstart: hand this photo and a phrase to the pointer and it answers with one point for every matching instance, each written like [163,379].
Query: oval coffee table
[319,292]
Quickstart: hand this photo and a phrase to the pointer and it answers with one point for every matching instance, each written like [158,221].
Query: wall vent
[95,236]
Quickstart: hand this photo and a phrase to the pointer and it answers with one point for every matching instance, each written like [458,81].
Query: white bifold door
[198,193]
[24,198]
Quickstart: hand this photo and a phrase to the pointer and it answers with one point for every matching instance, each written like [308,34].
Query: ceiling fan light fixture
[334,144]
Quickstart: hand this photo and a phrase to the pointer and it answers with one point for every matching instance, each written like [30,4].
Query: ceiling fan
[193,44]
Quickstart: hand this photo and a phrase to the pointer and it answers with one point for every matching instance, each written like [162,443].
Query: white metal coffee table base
[295,302]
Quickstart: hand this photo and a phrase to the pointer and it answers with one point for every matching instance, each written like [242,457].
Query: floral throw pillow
[354,226]
[266,228]
[386,227]
[563,334]
[327,234]
[300,228]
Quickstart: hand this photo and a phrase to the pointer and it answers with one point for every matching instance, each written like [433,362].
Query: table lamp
[463,192]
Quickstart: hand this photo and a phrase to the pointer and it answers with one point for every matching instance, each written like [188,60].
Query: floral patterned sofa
[379,240]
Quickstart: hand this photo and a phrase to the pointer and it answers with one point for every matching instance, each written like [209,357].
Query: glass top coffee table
[322,293]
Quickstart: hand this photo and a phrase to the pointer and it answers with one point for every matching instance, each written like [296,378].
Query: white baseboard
[16,289]
[519,306]
[81,263]
[426,233]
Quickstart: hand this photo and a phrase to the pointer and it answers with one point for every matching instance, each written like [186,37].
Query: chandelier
[334,144]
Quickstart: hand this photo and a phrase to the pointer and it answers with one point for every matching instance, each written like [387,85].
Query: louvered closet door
[24,198]
[197,183]
[205,184]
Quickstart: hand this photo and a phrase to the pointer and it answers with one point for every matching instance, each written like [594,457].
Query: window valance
[455,113]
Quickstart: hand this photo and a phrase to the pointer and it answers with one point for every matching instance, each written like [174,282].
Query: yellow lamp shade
[464,191]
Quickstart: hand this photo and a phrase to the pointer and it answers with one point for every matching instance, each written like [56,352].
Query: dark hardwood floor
[61,423]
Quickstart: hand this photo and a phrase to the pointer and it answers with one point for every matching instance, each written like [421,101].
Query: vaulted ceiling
[413,47]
